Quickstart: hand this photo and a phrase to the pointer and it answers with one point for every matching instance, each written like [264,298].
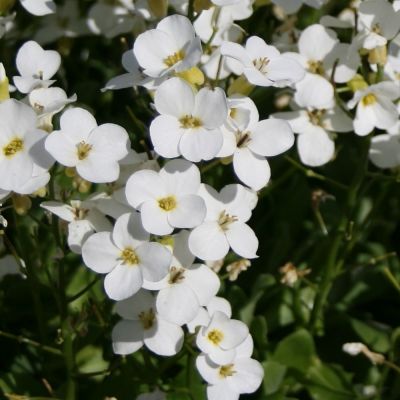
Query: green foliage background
[354,279]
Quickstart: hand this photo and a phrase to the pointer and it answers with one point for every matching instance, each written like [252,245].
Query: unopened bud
[378,55]
[21,204]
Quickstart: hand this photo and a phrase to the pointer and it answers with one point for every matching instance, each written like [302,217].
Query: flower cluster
[153,224]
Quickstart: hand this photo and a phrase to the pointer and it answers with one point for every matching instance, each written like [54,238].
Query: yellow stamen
[369,99]
[226,370]
[174,58]
[147,319]
[128,256]
[167,203]
[190,122]
[83,150]
[13,147]
[215,337]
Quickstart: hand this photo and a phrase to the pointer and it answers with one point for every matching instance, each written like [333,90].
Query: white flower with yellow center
[36,67]
[126,256]
[167,199]
[250,141]
[143,325]
[220,338]
[94,150]
[189,124]
[172,46]
[375,107]
[262,64]
[230,379]
[225,224]
[21,146]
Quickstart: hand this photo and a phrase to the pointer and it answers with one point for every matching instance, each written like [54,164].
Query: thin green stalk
[30,342]
[334,262]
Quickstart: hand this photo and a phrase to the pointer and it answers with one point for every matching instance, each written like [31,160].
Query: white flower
[93,150]
[21,144]
[378,22]
[83,218]
[315,142]
[185,289]
[228,380]
[46,102]
[220,338]
[167,199]
[225,224]
[250,141]
[375,108]
[262,64]
[126,256]
[189,123]
[39,7]
[143,325]
[36,66]
[172,46]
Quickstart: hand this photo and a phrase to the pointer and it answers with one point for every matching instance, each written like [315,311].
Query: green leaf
[296,351]
[376,339]
[273,376]
[329,382]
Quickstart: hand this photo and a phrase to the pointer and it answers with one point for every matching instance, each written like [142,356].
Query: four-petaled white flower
[225,224]
[94,150]
[262,64]
[143,325]
[126,256]
[172,46]
[167,199]
[36,66]
[189,123]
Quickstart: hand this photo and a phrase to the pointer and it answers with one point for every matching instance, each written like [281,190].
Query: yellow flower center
[316,67]
[147,318]
[167,203]
[215,337]
[171,60]
[190,122]
[128,256]
[13,147]
[83,149]
[225,220]
[226,370]
[369,99]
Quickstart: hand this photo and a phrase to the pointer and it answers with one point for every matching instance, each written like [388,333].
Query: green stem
[30,342]
[334,262]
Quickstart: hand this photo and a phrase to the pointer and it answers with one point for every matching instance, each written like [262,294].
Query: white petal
[127,337]
[99,253]
[315,148]
[175,98]
[177,304]
[248,377]
[144,185]
[221,391]
[189,213]
[155,219]
[200,144]
[251,169]
[211,107]
[77,124]
[129,232]
[203,281]
[208,242]
[123,281]
[271,137]
[314,91]
[242,240]
[155,260]
[133,306]
[165,134]
[385,151]
[165,339]
[39,7]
